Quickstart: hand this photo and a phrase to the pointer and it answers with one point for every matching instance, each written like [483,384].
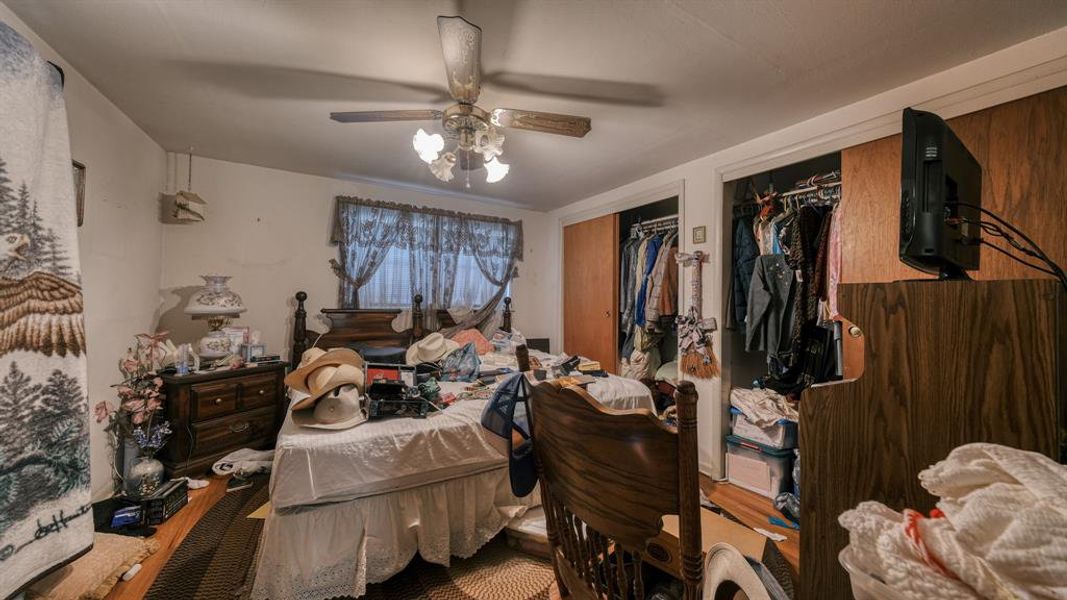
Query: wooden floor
[170,536]
[752,509]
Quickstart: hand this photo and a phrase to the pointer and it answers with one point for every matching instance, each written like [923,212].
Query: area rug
[216,561]
[496,572]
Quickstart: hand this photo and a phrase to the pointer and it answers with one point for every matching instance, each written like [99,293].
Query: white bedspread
[316,466]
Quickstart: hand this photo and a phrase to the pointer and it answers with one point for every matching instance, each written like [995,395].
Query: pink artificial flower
[154,405]
[102,411]
[125,390]
[138,418]
[130,365]
[158,381]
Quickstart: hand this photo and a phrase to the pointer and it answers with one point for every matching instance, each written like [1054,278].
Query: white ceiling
[663,81]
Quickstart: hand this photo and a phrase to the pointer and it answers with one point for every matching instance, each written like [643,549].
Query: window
[390,286]
[390,252]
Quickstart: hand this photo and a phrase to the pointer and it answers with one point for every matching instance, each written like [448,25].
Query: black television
[940,198]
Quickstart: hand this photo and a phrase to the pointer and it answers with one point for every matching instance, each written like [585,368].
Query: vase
[144,477]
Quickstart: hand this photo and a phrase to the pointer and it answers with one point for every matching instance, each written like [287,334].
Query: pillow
[473,336]
[92,575]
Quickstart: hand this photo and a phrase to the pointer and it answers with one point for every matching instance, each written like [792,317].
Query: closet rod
[656,221]
[812,189]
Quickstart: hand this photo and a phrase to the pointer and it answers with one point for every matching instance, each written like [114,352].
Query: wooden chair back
[607,478]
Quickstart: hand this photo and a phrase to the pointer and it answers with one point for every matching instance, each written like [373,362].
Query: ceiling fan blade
[541,121]
[376,116]
[461,45]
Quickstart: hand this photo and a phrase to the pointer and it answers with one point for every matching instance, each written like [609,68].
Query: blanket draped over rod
[45,511]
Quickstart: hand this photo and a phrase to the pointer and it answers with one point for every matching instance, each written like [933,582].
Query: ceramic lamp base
[215,344]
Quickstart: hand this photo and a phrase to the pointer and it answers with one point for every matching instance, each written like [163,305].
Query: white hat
[431,348]
[327,378]
[341,408]
[316,358]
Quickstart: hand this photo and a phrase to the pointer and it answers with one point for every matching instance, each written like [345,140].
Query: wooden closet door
[591,290]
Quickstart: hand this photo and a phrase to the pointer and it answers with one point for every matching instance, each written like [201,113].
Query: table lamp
[216,303]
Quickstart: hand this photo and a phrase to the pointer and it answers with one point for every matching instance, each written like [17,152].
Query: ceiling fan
[478,141]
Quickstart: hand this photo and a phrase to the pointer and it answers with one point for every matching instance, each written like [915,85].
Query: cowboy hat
[315,358]
[431,348]
[341,408]
[327,378]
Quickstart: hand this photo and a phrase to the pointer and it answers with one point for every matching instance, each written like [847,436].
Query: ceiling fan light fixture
[428,146]
[442,166]
[495,170]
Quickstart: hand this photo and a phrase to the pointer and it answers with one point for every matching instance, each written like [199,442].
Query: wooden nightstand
[216,413]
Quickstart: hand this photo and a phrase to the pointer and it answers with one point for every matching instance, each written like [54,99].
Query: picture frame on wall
[79,190]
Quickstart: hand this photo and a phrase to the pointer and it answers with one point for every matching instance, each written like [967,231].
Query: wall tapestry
[45,510]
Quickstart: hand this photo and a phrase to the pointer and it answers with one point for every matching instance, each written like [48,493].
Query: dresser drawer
[259,391]
[233,431]
[214,399]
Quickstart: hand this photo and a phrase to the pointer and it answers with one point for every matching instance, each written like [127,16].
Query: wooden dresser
[214,414]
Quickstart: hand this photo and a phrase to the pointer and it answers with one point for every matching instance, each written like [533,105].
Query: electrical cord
[997,230]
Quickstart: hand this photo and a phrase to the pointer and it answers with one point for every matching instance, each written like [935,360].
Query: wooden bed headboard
[367,326]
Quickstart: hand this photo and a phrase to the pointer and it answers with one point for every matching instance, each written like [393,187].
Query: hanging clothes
[770,306]
[651,252]
[745,253]
[655,288]
[668,298]
[627,264]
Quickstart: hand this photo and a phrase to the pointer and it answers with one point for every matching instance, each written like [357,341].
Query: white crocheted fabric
[1003,534]
[320,552]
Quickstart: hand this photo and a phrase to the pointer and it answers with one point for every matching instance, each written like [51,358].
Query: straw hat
[316,358]
[341,408]
[431,348]
[327,378]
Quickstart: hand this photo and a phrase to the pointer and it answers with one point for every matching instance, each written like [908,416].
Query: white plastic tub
[782,434]
[756,467]
[864,587]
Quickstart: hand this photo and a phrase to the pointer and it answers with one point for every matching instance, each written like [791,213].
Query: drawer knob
[262,392]
[239,427]
[218,401]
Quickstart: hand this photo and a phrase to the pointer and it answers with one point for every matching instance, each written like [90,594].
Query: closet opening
[648,291]
[781,252]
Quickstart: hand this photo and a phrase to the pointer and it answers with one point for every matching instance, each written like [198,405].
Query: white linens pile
[335,550]
[1003,533]
[763,407]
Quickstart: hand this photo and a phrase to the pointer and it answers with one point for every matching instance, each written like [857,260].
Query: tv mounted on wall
[940,199]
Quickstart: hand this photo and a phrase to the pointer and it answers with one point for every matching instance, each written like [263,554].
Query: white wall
[1027,68]
[269,229]
[120,243]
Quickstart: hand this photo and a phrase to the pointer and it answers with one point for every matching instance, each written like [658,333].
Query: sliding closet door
[591,290]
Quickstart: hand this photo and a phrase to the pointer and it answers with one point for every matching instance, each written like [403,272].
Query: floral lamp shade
[215,299]
[216,303]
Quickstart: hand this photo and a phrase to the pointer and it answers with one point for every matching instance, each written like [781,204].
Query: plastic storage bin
[864,587]
[782,434]
[757,467]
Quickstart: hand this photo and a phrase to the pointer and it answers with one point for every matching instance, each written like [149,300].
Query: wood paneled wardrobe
[946,362]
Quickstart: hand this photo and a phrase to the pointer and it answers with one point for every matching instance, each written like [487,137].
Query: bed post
[300,332]
[692,565]
[417,327]
[507,314]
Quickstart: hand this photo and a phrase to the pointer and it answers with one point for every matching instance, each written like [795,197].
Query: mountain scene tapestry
[45,510]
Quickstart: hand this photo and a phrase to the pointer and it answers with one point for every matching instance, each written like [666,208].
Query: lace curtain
[390,252]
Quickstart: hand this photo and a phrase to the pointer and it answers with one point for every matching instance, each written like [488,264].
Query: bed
[353,507]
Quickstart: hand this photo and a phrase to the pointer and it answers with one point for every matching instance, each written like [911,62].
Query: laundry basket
[864,587]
